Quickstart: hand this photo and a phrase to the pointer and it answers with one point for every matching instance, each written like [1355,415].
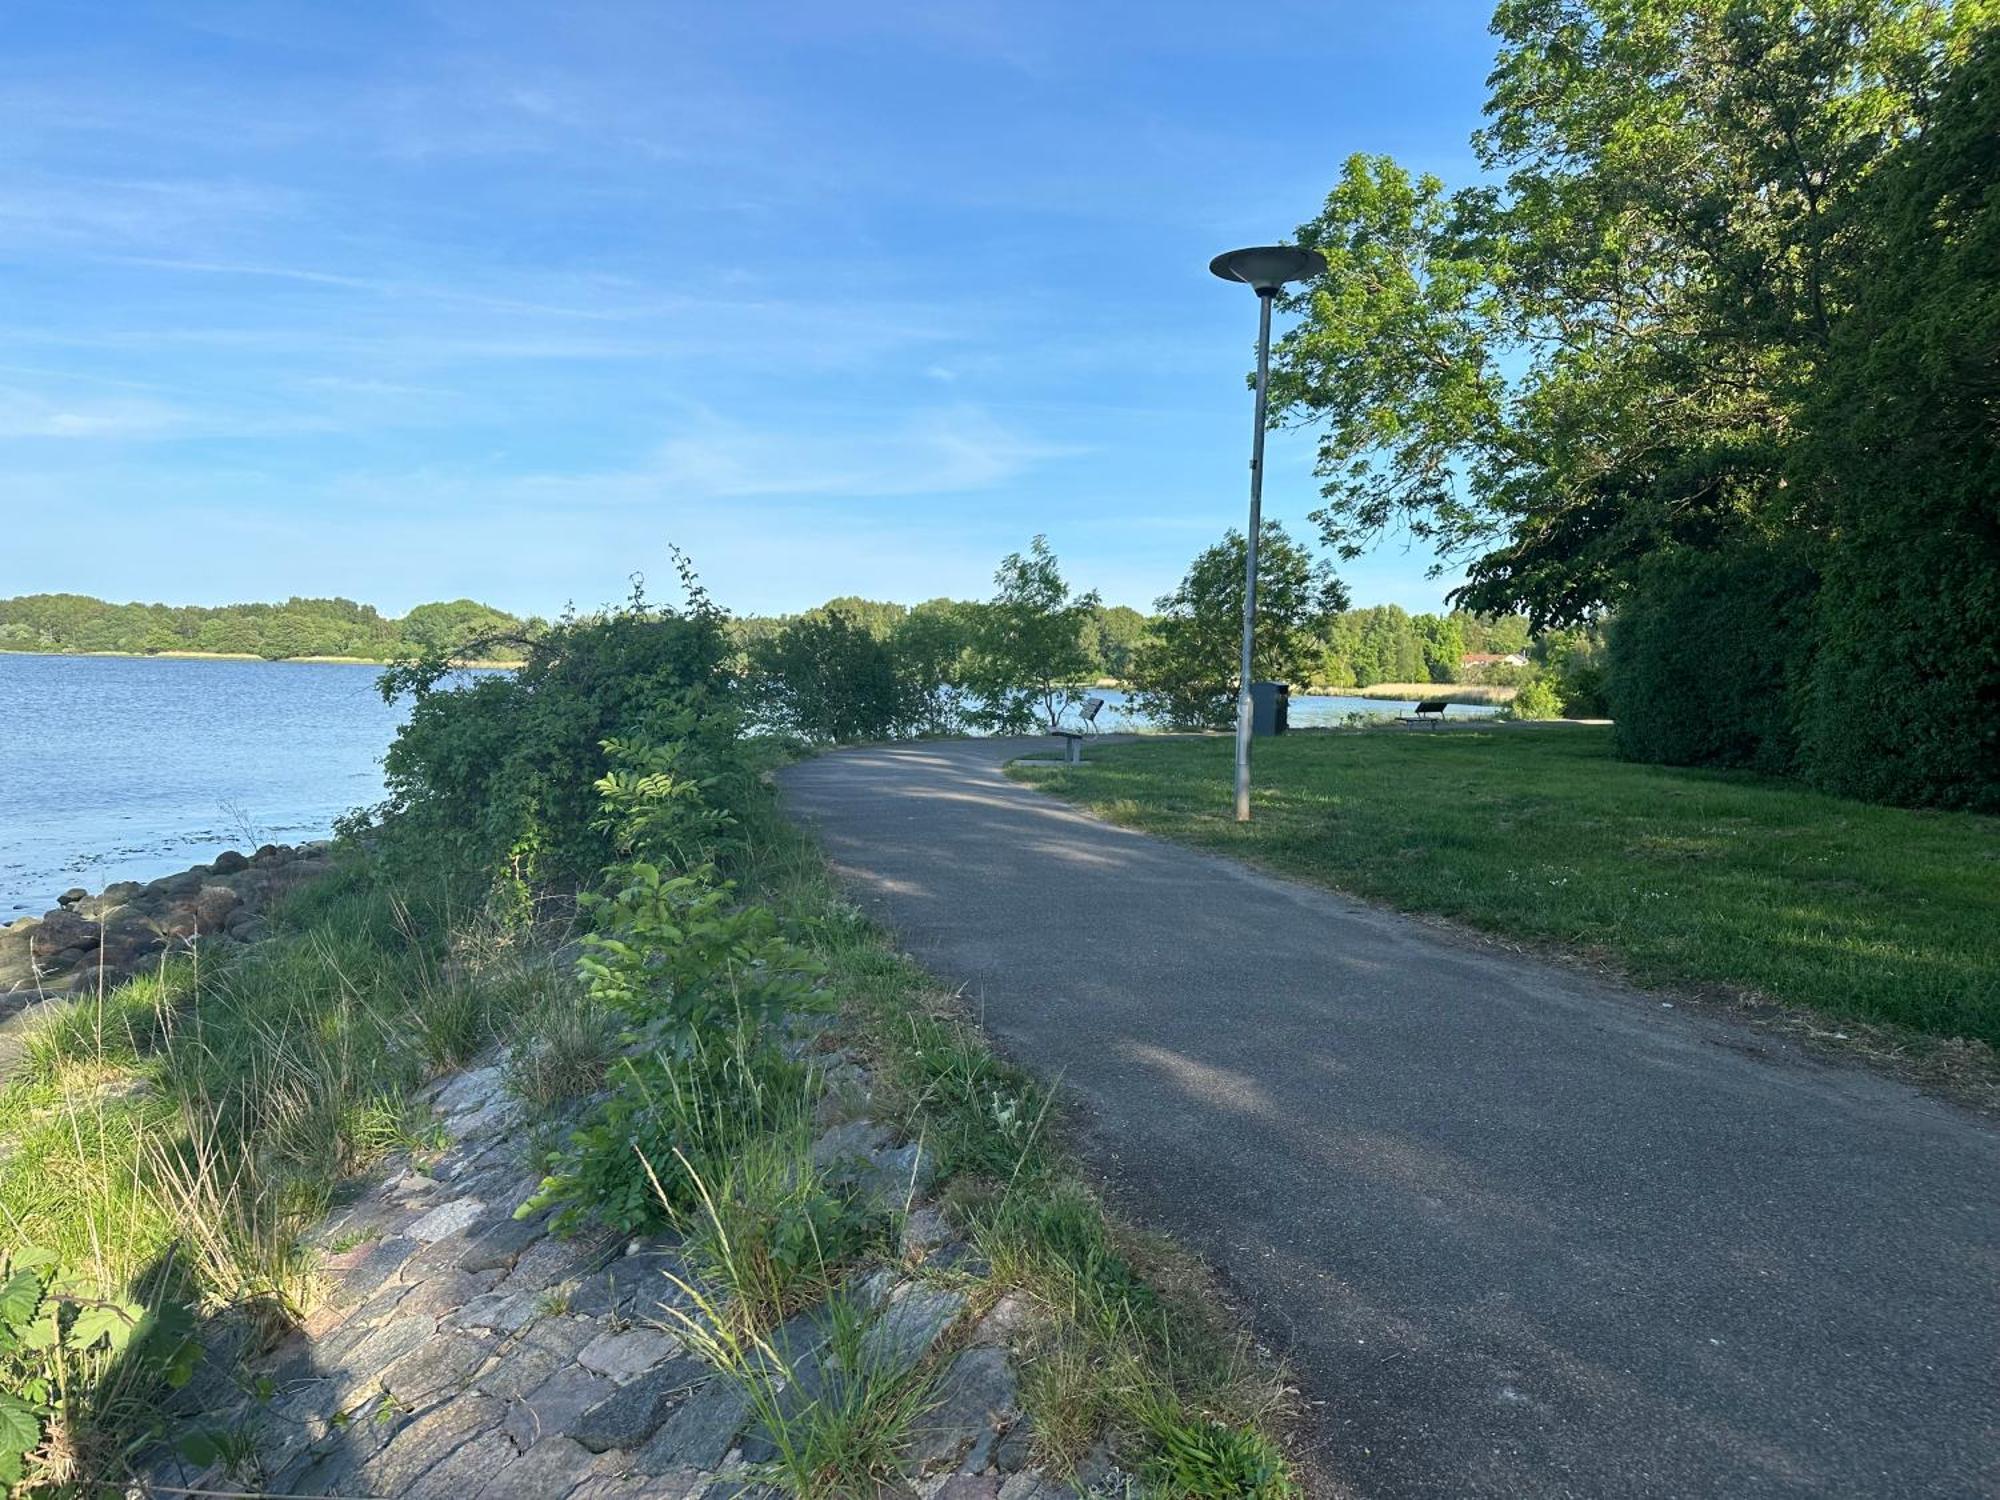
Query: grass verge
[1131,1350]
[1705,878]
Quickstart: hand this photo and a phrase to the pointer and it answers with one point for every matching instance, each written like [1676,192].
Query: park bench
[1432,708]
[1086,725]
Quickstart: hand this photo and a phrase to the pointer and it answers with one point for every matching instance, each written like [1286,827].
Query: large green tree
[1186,671]
[1602,350]
[1113,637]
[1028,658]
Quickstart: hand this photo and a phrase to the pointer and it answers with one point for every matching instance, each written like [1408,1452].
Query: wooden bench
[1086,726]
[1431,708]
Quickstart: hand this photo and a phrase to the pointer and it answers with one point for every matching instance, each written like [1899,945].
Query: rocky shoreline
[91,940]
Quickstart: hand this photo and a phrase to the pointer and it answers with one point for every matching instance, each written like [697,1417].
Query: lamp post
[1264,269]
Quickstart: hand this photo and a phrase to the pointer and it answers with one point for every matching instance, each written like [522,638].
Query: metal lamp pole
[1265,269]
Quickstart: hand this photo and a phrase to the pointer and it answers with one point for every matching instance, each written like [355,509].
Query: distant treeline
[1361,647]
[276,632]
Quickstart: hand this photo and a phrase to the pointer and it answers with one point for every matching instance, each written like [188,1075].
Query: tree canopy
[298,627]
[1709,349]
[1604,349]
[1186,671]
[1027,656]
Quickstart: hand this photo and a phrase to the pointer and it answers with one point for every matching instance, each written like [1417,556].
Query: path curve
[1521,1233]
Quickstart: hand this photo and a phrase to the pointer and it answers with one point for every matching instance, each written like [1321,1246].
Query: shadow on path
[1520,1232]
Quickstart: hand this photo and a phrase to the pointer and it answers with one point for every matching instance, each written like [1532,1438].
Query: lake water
[128,768]
[1307,710]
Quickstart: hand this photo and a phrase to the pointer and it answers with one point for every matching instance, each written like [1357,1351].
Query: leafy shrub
[65,1348]
[1027,653]
[702,980]
[1706,656]
[1573,660]
[929,646]
[497,773]
[1904,697]
[826,679]
[1538,698]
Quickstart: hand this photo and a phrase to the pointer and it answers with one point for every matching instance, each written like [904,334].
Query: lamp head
[1266,268]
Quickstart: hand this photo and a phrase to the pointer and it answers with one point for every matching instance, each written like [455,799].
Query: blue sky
[411,301]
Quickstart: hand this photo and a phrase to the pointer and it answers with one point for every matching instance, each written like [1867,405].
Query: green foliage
[702,980]
[1113,637]
[60,1343]
[879,617]
[1443,642]
[1199,1458]
[1538,698]
[928,647]
[1028,655]
[1730,288]
[298,627]
[771,1230]
[496,775]
[1577,664]
[1705,658]
[670,1119]
[1382,643]
[1600,354]
[1903,701]
[827,679]
[1186,671]
[448,629]
[838,1420]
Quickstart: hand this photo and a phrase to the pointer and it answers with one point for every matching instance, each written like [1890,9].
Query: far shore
[335,661]
[1449,692]
[1475,694]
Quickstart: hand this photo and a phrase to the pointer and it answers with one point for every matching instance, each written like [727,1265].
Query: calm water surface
[127,768]
[1307,710]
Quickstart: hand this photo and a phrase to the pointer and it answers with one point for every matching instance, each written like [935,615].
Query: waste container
[1270,707]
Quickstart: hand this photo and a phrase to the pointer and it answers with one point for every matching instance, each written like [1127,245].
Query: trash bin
[1270,707]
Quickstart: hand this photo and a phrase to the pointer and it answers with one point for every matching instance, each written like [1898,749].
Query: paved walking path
[1521,1233]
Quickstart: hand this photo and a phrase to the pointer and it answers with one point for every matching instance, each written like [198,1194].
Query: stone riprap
[464,1354]
[91,940]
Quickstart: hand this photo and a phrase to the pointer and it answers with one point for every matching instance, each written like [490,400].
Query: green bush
[1185,671]
[1538,698]
[1904,698]
[703,981]
[826,679]
[1706,657]
[498,773]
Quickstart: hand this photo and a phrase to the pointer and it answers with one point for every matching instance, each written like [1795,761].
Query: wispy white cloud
[937,452]
[27,414]
[97,212]
[947,451]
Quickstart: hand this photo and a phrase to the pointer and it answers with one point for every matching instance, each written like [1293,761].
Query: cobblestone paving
[466,1355]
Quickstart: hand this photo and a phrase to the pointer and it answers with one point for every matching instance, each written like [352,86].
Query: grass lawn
[1676,876]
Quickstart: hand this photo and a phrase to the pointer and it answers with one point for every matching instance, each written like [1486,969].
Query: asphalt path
[1520,1232]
